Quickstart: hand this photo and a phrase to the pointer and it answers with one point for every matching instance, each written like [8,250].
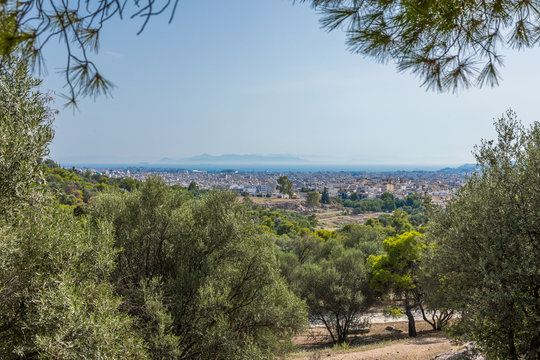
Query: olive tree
[57,301]
[25,133]
[487,246]
[201,278]
[336,289]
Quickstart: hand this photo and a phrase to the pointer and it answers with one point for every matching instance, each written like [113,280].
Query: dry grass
[314,354]
[330,217]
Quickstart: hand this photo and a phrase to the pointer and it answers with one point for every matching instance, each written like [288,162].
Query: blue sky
[261,77]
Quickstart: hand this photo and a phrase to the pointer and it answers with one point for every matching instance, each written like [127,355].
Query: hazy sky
[261,77]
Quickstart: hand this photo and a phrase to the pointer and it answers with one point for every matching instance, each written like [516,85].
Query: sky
[262,77]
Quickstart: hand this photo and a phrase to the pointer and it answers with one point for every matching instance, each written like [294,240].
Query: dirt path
[423,348]
[378,344]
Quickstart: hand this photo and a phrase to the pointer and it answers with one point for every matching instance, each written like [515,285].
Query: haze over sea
[272,167]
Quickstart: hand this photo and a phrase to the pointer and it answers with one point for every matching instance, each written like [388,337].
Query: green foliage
[325,197]
[412,204]
[393,312]
[395,268]
[129,184]
[57,301]
[25,133]
[395,271]
[336,289]
[217,289]
[486,245]
[303,247]
[394,224]
[448,44]
[75,187]
[328,269]
[365,238]
[285,185]
[282,222]
[193,187]
[325,234]
[313,198]
[56,298]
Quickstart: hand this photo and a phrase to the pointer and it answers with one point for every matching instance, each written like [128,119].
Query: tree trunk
[434,324]
[512,353]
[412,324]
[534,345]
[534,348]
[408,312]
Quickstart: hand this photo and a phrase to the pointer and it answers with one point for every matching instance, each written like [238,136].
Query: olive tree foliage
[448,44]
[56,300]
[25,133]
[432,296]
[365,238]
[335,286]
[488,248]
[332,276]
[198,275]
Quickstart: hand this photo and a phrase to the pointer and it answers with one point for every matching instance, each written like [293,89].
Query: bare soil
[330,217]
[378,343]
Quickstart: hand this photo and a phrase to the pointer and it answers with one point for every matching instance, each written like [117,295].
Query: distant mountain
[467,167]
[237,159]
[462,168]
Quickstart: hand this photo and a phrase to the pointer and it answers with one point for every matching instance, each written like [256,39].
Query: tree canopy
[57,301]
[201,278]
[285,185]
[487,245]
[313,198]
[336,289]
[25,133]
[395,271]
[448,44]
[27,27]
[143,271]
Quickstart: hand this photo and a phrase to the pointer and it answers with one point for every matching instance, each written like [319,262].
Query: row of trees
[387,202]
[74,187]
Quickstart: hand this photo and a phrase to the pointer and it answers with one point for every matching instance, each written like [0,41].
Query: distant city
[439,184]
